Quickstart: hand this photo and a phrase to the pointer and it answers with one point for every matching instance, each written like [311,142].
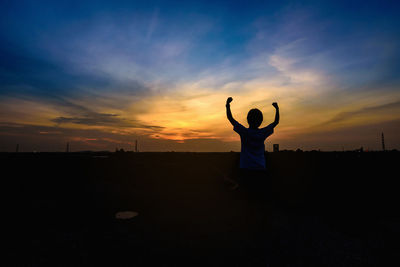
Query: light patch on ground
[125,215]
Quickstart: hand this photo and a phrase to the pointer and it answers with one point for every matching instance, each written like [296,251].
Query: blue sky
[103,73]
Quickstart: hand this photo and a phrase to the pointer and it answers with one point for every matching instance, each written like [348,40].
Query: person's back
[252,146]
[252,138]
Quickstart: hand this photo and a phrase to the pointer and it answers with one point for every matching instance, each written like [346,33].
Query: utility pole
[383,142]
[276,147]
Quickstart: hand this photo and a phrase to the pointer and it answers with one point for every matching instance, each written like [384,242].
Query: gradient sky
[101,74]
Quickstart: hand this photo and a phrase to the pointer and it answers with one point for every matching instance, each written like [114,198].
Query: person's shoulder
[267,130]
[239,127]
[238,124]
[269,127]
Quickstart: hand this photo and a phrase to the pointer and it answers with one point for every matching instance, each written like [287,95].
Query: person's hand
[275,105]
[229,100]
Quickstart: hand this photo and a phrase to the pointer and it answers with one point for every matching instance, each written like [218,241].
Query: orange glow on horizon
[194,111]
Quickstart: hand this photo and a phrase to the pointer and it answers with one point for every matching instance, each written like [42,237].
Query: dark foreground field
[325,209]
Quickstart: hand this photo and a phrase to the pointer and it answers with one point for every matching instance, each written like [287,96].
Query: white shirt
[252,140]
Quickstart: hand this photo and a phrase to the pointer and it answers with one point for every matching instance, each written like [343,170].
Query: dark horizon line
[171,151]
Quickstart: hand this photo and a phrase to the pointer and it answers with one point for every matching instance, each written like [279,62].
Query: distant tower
[136,146]
[17,149]
[276,147]
[67,149]
[383,142]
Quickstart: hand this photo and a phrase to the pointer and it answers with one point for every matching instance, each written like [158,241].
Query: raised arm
[228,110]
[276,121]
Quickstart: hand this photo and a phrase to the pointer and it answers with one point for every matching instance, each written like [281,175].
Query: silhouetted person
[252,159]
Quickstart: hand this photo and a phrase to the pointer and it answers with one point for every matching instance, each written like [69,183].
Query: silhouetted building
[276,147]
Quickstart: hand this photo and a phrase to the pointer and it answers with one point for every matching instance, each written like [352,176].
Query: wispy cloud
[386,111]
[100,119]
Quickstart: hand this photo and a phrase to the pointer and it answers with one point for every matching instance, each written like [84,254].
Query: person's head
[254,118]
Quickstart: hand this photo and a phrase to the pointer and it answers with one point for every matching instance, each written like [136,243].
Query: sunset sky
[102,74]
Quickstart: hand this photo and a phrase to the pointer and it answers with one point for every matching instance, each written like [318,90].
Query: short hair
[254,118]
